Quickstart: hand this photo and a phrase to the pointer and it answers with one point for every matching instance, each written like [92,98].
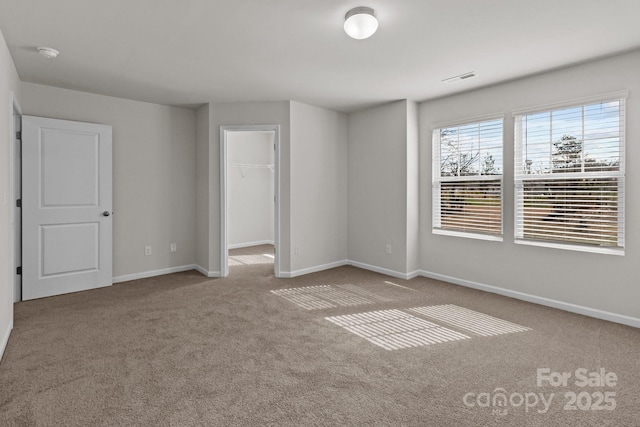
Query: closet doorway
[249,196]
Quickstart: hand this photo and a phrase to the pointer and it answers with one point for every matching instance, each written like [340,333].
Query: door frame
[15,231]
[224,193]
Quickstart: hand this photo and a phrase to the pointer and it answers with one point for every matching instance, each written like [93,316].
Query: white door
[66,207]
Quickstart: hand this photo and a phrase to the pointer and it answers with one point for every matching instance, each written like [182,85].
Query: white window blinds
[569,176]
[467,180]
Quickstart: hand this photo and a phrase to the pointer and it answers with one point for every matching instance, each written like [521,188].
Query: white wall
[603,282]
[318,187]
[380,212]
[9,85]
[153,173]
[250,189]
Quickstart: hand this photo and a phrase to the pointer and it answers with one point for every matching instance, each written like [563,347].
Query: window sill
[468,235]
[567,246]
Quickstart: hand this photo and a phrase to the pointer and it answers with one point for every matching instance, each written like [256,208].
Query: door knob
[106,213]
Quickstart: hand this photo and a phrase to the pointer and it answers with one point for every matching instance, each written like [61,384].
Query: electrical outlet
[296,251]
[388,249]
[173,247]
[147,251]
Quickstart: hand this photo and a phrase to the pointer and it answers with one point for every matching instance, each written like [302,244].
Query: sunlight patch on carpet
[319,297]
[469,320]
[395,329]
[250,259]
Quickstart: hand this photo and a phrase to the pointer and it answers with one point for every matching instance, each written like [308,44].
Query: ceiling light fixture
[48,53]
[360,23]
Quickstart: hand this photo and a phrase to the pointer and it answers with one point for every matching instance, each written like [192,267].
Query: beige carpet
[341,347]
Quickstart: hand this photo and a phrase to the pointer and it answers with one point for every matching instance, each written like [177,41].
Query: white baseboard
[386,271]
[249,244]
[5,339]
[413,274]
[314,269]
[153,273]
[566,306]
[205,272]
[381,270]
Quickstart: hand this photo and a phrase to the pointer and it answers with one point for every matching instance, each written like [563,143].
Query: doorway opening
[250,214]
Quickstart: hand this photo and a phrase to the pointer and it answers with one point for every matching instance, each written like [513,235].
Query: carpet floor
[339,347]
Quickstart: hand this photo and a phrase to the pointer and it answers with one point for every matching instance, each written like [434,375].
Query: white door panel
[66,207]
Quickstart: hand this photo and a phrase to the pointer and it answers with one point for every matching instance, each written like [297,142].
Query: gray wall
[318,186]
[312,193]
[203,198]
[250,189]
[413,189]
[244,113]
[603,282]
[153,173]
[9,83]
[378,184]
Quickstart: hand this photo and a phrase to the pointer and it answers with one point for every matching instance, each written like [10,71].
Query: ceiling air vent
[460,77]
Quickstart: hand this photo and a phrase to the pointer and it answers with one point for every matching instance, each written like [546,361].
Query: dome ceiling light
[48,52]
[360,23]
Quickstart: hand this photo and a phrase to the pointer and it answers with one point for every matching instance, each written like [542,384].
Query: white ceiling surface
[190,52]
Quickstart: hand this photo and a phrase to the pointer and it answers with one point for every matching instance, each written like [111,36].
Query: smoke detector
[48,52]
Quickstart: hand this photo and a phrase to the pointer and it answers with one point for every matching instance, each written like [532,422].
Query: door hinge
[19,270]
[19,136]
[19,203]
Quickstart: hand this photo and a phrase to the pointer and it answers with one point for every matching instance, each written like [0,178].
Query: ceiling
[190,52]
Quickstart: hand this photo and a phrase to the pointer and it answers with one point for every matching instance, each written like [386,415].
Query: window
[467,180]
[569,176]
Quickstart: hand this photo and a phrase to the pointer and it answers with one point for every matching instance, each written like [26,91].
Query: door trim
[14,109]
[224,194]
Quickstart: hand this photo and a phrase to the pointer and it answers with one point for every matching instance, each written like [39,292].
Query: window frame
[437,178]
[520,178]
